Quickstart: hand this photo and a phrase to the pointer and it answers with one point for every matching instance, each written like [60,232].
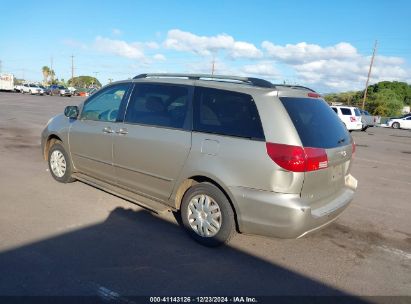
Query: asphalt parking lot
[73,239]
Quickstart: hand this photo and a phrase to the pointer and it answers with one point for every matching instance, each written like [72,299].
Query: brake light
[352,118]
[296,158]
[314,95]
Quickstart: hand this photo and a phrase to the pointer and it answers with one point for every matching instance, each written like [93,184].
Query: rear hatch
[320,128]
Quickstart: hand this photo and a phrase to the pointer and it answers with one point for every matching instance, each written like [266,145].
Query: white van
[350,116]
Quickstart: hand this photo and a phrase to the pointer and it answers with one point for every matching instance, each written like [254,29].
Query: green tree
[46,73]
[83,82]
[385,102]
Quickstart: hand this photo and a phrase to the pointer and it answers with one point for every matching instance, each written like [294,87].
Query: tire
[58,154]
[396,125]
[221,215]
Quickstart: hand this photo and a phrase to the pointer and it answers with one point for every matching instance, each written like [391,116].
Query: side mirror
[71,111]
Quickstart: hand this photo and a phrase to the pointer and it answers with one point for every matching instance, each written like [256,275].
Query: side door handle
[122,131]
[108,130]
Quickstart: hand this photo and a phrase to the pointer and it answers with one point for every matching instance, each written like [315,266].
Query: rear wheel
[59,164]
[207,216]
[396,125]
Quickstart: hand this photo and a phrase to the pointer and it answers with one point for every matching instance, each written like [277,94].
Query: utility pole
[72,67]
[369,74]
[213,65]
[51,69]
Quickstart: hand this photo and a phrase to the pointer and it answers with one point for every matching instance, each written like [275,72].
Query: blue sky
[322,44]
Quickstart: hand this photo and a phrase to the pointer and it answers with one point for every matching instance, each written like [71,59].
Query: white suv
[350,116]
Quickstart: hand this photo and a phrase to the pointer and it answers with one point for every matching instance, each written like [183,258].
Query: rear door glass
[316,123]
[226,113]
[345,111]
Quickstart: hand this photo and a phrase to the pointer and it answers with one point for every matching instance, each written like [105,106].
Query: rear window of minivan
[316,123]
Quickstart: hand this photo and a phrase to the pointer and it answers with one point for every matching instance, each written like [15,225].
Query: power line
[369,74]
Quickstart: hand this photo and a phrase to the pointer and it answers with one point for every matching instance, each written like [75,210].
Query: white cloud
[119,47]
[207,45]
[304,52]
[152,45]
[345,74]
[338,67]
[262,68]
[159,57]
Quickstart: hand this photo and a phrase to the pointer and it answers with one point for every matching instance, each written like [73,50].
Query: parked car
[18,88]
[81,92]
[72,90]
[400,123]
[367,120]
[59,90]
[31,88]
[91,91]
[46,90]
[350,116]
[225,153]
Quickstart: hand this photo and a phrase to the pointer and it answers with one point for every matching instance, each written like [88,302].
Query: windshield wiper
[341,141]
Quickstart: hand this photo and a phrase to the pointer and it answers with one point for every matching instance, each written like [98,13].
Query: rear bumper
[355,126]
[287,215]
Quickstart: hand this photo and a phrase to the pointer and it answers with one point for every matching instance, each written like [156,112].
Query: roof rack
[249,80]
[258,82]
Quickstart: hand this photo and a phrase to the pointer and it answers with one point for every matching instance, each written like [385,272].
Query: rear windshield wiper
[341,141]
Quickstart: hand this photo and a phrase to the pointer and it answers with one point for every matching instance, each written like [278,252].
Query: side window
[105,105]
[346,111]
[158,105]
[335,110]
[226,113]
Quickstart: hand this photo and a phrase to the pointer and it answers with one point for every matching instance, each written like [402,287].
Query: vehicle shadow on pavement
[135,253]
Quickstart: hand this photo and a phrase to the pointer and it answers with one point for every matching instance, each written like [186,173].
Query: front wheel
[59,164]
[207,216]
[396,125]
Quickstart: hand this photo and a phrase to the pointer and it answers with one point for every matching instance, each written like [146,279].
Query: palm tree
[52,75]
[46,73]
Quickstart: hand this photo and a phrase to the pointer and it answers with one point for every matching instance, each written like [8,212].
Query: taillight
[296,158]
[352,118]
[353,147]
[313,94]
